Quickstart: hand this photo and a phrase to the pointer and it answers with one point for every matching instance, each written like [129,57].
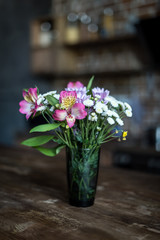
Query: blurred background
[49,43]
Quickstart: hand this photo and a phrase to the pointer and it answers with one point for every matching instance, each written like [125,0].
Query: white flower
[105,108]
[93,118]
[98,105]
[110,120]
[57,96]
[114,114]
[51,109]
[112,101]
[46,102]
[88,103]
[120,121]
[49,93]
[121,105]
[99,110]
[99,128]
[128,107]
[93,114]
[40,109]
[97,96]
[104,114]
[128,113]
[40,99]
[110,113]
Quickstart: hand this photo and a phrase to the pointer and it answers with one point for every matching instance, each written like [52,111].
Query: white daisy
[120,121]
[105,108]
[128,113]
[128,107]
[121,105]
[88,103]
[114,114]
[99,110]
[110,113]
[110,120]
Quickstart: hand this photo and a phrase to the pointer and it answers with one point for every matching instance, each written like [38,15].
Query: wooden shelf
[104,41]
[106,74]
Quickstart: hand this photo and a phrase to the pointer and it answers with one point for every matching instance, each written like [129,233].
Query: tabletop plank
[34,205]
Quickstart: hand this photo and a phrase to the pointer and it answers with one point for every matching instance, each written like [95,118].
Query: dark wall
[15,74]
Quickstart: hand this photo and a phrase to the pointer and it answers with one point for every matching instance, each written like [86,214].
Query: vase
[82,175]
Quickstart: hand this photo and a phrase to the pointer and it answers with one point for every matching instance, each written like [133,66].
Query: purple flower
[81,93]
[100,93]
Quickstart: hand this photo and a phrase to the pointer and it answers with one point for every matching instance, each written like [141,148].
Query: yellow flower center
[68,102]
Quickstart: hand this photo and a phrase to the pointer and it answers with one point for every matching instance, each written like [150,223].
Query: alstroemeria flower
[29,105]
[75,85]
[71,111]
[76,112]
[67,99]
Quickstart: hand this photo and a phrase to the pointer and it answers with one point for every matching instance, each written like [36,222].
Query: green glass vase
[82,175]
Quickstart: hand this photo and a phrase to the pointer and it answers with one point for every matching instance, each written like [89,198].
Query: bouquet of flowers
[78,116]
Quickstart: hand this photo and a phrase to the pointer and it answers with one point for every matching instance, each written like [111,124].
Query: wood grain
[33,201]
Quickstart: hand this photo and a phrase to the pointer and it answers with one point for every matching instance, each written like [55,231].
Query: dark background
[15,74]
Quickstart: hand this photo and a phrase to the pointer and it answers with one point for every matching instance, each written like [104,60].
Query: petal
[78,110]
[33,94]
[26,108]
[78,85]
[70,85]
[70,120]
[27,97]
[60,115]
[75,85]
[68,99]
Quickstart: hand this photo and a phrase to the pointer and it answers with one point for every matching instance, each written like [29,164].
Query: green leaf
[36,141]
[90,83]
[37,89]
[52,100]
[45,127]
[51,152]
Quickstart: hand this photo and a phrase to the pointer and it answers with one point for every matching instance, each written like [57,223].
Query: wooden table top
[33,201]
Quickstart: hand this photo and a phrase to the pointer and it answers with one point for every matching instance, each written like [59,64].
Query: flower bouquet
[80,119]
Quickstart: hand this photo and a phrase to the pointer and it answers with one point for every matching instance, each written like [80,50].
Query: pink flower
[76,112]
[29,105]
[72,110]
[75,85]
[67,99]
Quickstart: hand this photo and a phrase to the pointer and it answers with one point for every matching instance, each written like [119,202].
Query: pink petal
[33,93]
[79,84]
[60,115]
[70,120]
[24,94]
[78,110]
[75,85]
[26,108]
[70,85]
[65,94]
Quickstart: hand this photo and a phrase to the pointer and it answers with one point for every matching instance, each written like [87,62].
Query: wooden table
[33,202]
